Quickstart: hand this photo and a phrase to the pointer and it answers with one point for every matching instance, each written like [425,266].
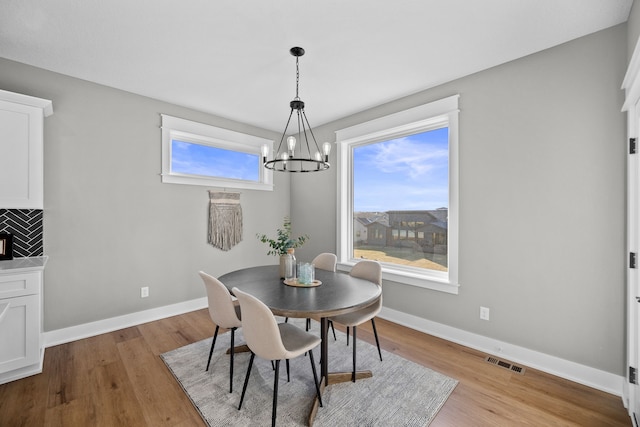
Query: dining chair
[325,261]
[273,341]
[371,271]
[225,313]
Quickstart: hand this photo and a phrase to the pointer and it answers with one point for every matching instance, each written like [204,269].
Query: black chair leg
[308,326]
[288,377]
[213,344]
[333,329]
[315,377]
[347,335]
[246,379]
[353,374]
[233,340]
[375,334]
[275,394]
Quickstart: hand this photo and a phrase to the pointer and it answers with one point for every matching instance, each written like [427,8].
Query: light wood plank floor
[117,379]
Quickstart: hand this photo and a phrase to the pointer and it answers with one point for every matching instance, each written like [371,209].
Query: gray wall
[542,186]
[542,203]
[633,25]
[110,225]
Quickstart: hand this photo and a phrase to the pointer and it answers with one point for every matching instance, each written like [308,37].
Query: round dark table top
[339,292]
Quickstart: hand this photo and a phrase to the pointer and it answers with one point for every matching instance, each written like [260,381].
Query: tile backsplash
[26,225]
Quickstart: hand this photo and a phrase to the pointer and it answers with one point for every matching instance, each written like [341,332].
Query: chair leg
[353,374]
[347,335]
[315,377]
[213,344]
[333,329]
[307,327]
[288,377]
[375,334]
[275,394]
[233,340]
[246,379]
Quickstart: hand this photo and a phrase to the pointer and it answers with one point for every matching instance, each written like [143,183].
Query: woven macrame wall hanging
[225,220]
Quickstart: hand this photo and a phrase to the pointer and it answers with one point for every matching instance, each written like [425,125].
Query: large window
[199,154]
[398,195]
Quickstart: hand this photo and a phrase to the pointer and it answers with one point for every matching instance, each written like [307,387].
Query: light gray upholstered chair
[272,341]
[325,261]
[371,271]
[225,313]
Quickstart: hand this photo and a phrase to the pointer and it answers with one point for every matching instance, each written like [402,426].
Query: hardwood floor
[118,379]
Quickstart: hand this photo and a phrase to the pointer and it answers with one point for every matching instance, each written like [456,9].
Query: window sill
[215,182]
[412,279]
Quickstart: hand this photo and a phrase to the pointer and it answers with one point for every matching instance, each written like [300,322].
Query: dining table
[331,294]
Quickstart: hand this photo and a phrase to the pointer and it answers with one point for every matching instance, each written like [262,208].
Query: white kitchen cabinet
[21,150]
[21,346]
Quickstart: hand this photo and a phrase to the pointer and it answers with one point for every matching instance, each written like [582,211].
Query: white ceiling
[231,57]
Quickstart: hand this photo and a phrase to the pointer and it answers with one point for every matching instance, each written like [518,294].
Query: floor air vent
[505,365]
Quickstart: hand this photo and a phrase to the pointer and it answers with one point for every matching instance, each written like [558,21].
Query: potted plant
[282,242]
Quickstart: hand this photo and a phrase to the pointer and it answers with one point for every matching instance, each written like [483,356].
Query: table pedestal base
[335,378]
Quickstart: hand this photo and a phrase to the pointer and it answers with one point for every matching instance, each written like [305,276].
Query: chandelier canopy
[305,156]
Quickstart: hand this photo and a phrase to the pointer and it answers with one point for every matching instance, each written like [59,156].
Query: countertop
[17,265]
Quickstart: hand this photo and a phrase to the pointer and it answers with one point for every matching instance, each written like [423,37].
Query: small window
[199,154]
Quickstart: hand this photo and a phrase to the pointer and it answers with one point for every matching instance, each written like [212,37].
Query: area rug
[400,393]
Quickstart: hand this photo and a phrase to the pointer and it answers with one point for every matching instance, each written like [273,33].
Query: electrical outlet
[484,313]
[144,292]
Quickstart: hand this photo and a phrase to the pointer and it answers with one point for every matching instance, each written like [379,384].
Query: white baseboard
[572,371]
[73,333]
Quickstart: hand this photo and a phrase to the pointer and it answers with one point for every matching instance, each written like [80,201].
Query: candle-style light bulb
[265,153]
[291,143]
[285,157]
[326,148]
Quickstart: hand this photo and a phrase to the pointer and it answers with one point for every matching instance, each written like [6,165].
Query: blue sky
[408,173]
[196,159]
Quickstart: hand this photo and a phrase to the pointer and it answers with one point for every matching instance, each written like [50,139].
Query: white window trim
[200,133]
[415,120]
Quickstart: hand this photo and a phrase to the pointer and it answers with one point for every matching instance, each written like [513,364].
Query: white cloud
[406,157]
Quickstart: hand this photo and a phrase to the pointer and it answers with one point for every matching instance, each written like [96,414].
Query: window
[398,178]
[199,154]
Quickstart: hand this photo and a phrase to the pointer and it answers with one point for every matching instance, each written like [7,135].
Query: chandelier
[292,156]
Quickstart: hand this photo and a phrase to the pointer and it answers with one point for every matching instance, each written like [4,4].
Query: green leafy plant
[280,244]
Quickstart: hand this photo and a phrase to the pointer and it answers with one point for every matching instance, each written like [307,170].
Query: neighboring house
[361,223]
[423,230]
[378,232]
[360,230]
[433,237]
